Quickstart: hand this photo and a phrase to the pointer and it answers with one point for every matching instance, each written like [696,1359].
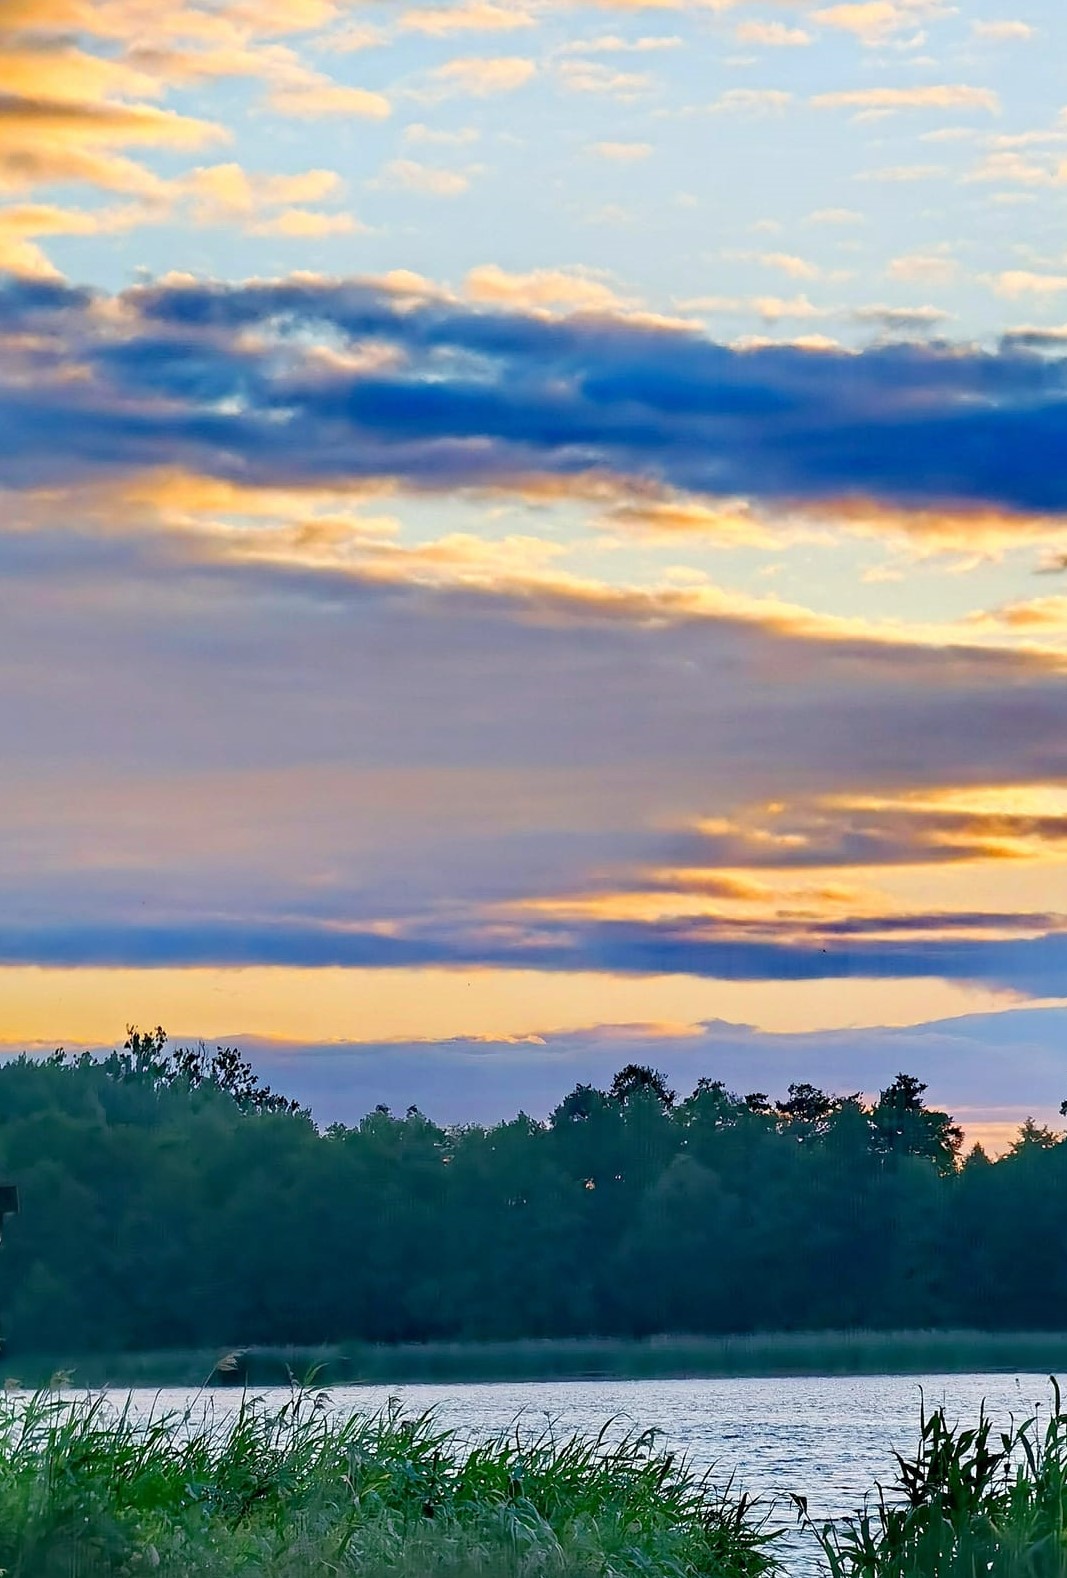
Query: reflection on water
[828,1438]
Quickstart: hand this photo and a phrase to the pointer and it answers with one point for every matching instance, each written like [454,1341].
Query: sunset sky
[533,529]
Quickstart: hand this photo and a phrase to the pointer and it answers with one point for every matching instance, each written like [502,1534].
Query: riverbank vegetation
[171,1203]
[298,1490]
[971,1499]
[561,1359]
[264,1491]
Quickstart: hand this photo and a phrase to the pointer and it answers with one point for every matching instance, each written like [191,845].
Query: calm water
[827,1438]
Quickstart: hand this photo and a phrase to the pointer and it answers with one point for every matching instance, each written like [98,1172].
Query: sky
[531,529]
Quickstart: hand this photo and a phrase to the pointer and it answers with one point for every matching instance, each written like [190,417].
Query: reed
[767,1354]
[90,1490]
[969,1501]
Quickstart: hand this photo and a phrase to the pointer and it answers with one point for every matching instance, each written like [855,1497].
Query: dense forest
[171,1200]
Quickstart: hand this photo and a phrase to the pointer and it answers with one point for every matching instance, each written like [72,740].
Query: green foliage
[299,1490]
[171,1202]
[968,1502]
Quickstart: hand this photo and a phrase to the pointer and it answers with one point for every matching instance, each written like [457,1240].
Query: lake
[829,1438]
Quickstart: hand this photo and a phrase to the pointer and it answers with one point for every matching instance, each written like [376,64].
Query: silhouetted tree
[638,1079]
[902,1125]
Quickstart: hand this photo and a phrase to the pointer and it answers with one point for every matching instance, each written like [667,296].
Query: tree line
[170,1200]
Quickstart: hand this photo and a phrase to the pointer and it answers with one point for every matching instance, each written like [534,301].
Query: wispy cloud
[310,96]
[772,35]
[479,16]
[1004,32]
[482,77]
[924,268]
[428,180]
[592,76]
[621,152]
[901,174]
[612,44]
[752,101]
[886,101]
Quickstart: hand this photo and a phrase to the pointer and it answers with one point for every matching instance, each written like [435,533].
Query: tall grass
[91,1491]
[761,1353]
[969,1502]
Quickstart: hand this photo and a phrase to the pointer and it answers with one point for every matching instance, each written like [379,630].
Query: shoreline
[763,1355]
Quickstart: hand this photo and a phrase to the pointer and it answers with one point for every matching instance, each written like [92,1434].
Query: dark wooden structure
[9,1203]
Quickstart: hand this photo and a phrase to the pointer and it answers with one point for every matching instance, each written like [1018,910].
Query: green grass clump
[90,1491]
[969,1502]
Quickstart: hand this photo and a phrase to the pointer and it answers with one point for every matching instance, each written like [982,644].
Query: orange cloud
[570,290]
[481,16]
[20,224]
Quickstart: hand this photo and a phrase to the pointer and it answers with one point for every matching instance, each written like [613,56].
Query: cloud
[478,397]
[500,771]
[752,101]
[1004,32]
[480,16]
[83,84]
[612,44]
[592,76]
[621,152]
[1032,613]
[839,831]
[308,95]
[482,77]
[925,268]
[902,320]
[789,263]
[903,173]
[436,137]
[42,119]
[1014,283]
[358,36]
[571,290]
[23,167]
[257,725]
[875,22]
[267,204]
[303,224]
[428,180]
[21,225]
[773,35]
[1013,168]
[888,100]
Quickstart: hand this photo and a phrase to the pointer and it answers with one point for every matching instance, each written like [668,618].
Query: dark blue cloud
[478,397]
[1036,966]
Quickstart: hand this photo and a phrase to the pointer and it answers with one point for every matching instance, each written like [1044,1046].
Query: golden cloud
[482,16]
[571,290]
